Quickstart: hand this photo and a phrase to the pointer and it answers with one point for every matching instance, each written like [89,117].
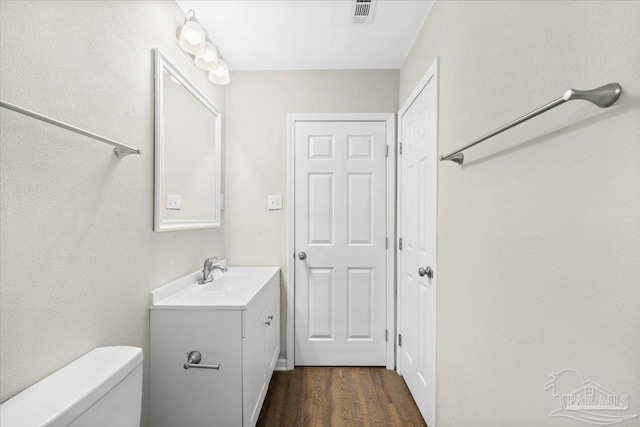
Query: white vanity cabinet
[261,348]
[242,335]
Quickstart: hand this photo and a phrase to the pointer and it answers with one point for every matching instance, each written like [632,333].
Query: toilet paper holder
[194,357]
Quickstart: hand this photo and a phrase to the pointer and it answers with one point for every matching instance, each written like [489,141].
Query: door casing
[431,73]
[389,120]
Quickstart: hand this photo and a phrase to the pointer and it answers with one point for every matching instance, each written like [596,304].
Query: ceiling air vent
[363,11]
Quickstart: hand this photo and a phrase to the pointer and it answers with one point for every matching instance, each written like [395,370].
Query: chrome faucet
[208,269]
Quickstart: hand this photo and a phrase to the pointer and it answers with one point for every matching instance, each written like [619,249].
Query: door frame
[390,122]
[431,73]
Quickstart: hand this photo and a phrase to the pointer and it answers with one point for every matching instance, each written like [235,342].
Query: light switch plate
[174,202]
[274,202]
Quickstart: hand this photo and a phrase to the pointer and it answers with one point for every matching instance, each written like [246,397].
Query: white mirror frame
[159,224]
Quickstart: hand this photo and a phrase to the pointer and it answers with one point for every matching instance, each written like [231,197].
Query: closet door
[417,261]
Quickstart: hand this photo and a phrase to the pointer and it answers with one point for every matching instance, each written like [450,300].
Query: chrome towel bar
[120,151]
[603,97]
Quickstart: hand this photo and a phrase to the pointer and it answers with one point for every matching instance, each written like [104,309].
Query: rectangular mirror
[187,153]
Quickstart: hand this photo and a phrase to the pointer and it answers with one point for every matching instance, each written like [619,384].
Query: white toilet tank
[103,388]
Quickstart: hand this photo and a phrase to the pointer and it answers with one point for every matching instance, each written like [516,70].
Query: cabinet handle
[271,317]
[194,357]
[268,323]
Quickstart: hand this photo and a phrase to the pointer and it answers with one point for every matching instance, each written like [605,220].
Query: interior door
[418,253]
[340,243]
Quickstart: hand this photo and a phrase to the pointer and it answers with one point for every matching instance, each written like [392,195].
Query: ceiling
[309,34]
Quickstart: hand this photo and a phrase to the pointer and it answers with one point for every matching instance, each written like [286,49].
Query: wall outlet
[274,202]
[174,202]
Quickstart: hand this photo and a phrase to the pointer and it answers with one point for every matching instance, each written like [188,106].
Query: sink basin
[232,290]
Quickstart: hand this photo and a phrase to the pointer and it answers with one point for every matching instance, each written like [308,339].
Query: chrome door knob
[426,272]
[302,255]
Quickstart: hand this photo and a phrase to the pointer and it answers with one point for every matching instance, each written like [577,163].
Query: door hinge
[386,151]
[399,340]
[386,335]
[401,148]
[400,243]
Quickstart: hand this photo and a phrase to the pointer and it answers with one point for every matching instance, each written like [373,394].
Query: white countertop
[233,290]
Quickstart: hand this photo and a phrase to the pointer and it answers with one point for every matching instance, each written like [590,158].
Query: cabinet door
[272,333]
[195,397]
[253,379]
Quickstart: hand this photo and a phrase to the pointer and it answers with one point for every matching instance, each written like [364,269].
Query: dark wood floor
[335,397]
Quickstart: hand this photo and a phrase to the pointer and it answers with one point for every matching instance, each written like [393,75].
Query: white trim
[389,119]
[290,361]
[428,75]
[432,72]
[281,364]
[391,234]
[159,224]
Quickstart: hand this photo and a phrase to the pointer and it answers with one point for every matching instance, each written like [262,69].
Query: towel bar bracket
[122,152]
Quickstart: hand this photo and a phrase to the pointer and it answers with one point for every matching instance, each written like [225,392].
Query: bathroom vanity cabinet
[234,322]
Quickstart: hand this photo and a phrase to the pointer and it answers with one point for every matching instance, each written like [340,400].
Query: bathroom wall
[78,254]
[257,105]
[539,230]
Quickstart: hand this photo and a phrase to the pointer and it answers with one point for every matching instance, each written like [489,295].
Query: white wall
[77,250]
[539,230]
[257,105]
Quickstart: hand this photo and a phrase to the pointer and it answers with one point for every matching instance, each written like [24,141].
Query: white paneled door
[417,261]
[340,233]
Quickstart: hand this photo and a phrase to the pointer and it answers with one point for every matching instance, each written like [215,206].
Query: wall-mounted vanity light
[194,40]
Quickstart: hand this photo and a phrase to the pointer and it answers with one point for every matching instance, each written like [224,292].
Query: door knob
[426,272]
[302,255]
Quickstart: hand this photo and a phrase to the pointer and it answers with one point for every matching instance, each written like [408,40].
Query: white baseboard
[281,364]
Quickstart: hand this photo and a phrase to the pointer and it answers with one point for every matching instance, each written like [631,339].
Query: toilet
[102,388]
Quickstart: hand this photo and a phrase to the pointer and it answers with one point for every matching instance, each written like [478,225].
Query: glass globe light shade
[208,60]
[192,38]
[220,75]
